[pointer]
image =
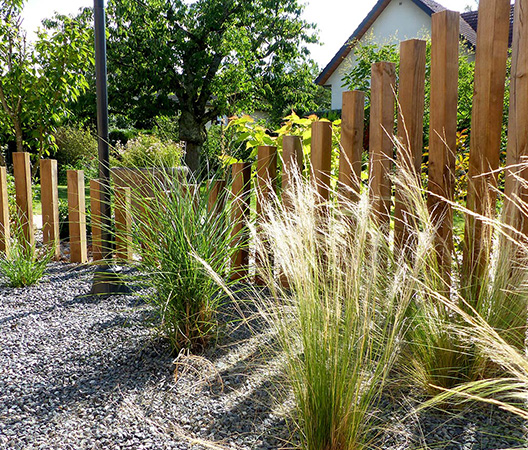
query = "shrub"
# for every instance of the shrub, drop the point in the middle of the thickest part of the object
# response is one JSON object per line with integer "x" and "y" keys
{"x": 118, "y": 136}
{"x": 77, "y": 150}
{"x": 148, "y": 151}
{"x": 174, "y": 233}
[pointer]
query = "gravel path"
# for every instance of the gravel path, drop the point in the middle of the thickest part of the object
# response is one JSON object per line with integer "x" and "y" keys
{"x": 78, "y": 372}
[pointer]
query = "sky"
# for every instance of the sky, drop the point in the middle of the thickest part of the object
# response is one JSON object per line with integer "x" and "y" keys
{"x": 336, "y": 20}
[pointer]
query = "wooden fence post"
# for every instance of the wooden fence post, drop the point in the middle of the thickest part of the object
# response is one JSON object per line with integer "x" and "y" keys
{"x": 216, "y": 198}
{"x": 123, "y": 223}
{"x": 292, "y": 161}
{"x": 381, "y": 144}
{"x": 241, "y": 190}
{"x": 49, "y": 197}
{"x": 5, "y": 235}
{"x": 265, "y": 186}
{"x": 411, "y": 99}
{"x": 486, "y": 125}
{"x": 321, "y": 157}
{"x": 24, "y": 199}
{"x": 77, "y": 216}
{"x": 515, "y": 194}
{"x": 95, "y": 209}
{"x": 352, "y": 129}
{"x": 442, "y": 132}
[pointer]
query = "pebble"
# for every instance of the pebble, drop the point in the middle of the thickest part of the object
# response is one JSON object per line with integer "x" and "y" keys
{"x": 79, "y": 372}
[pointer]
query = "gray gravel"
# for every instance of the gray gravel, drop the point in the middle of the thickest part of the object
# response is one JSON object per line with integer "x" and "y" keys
{"x": 78, "y": 372}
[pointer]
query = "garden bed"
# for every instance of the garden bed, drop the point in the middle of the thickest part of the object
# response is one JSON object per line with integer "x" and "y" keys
{"x": 84, "y": 372}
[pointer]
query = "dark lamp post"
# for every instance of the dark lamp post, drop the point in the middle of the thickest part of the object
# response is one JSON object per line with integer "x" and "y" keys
{"x": 106, "y": 277}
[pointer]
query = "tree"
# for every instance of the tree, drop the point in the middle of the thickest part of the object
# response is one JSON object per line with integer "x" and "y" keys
{"x": 37, "y": 80}
{"x": 206, "y": 58}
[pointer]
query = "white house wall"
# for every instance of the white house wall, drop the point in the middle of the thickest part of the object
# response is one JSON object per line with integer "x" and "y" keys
{"x": 401, "y": 20}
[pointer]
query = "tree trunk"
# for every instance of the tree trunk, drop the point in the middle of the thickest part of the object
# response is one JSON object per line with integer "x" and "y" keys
{"x": 192, "y": 131}
{"x": 18, "y": 133}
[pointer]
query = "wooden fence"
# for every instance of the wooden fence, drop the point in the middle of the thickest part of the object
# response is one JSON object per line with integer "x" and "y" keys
{"x": 406, "y": 102}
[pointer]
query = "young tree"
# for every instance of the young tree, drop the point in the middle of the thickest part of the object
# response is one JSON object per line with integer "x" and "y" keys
{"x": 37, "y": 80}
{"x": 208, "y": 57}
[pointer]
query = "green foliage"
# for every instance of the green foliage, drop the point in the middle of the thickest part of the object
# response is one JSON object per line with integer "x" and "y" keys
{"x": 23, "y": 266}
{"x": 148, "y": 151}
{"x": 246, "y": 134}
{"x": 166, "y": 128}
{"x": 121, "y": 136}
{"x": 175, "y": 238}
{"x": 207, "y": 58}
{"x": 37, "y": 80}
{"x": 76, "y": 150}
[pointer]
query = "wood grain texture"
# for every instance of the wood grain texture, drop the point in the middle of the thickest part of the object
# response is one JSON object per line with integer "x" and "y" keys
{"x": 321, "y": 157}
{"x": 486, "y": 125}
{"x": 292, "y": 162}
{"x": 123, "y": 223}
{"x": 241, "y": 191}
{"x": 24, "y": 198}
{"x": 216, "y": 198}
{"x": 352, "y": 131}
{"x": 5, "y": 233}
{"x": 49, "y": 197}
{"x": 516, "y": 195}
{"x": 77, "y": 217}
{"x": 265, "y": 188}
{"x": 95, "y": 209}
{"x": 409, "y": 153}
{"x": 381, "y": 144}
{"x": 442, "y": 132}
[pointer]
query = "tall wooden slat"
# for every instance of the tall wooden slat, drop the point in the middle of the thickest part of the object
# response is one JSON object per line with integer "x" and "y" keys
{"x": 411, "y": 99}
{"x": 442, "y": 132}
{"x": 123, "y": 223}
{"x": 95, "y": 209}
{"x": 486, "y": 124}
{"x": 77, "y": 216}
{"x": 216, "y": 198}
{"x": 381, "y": 144}
{"x": 352, "y": 130}
{"x": 49, "y": 196}
{"x": 516, "y": 195}
{"x": 321, "y": 157}
{"x": 292, "y": 160}
{"x": 24, "y": 199}
{"x": 265, "y": 187}
{"x": 5, "y": 234}
{"x": 241, "y": 190}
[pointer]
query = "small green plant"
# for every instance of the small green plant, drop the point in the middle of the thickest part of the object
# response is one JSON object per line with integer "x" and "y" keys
{"x": 175, "y": 231}
{"x": 24, "y": 266}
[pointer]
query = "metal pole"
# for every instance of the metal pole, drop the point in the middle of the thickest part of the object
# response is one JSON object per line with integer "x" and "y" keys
{"x": 106, "y": 277}
{"x": 102, "y": 124}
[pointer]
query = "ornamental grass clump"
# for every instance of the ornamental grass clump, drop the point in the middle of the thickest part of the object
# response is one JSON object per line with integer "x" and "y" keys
{"x": 435, "y": 355}
{"x": 342, "y": 318}
{"x": 174, "y": 231}
{"x": 24, "y": 265}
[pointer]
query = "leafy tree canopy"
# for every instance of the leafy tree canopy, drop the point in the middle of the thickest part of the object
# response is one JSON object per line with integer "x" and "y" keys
{"x": 207, "y": 58}
{"x": 38, "y": 79}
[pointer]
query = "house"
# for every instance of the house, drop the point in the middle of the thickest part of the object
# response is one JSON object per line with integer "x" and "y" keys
{"x": 391, "y": 21}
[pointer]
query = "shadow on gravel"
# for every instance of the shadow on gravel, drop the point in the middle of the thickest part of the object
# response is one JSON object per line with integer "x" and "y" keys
{"x": 91, "y": 376}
